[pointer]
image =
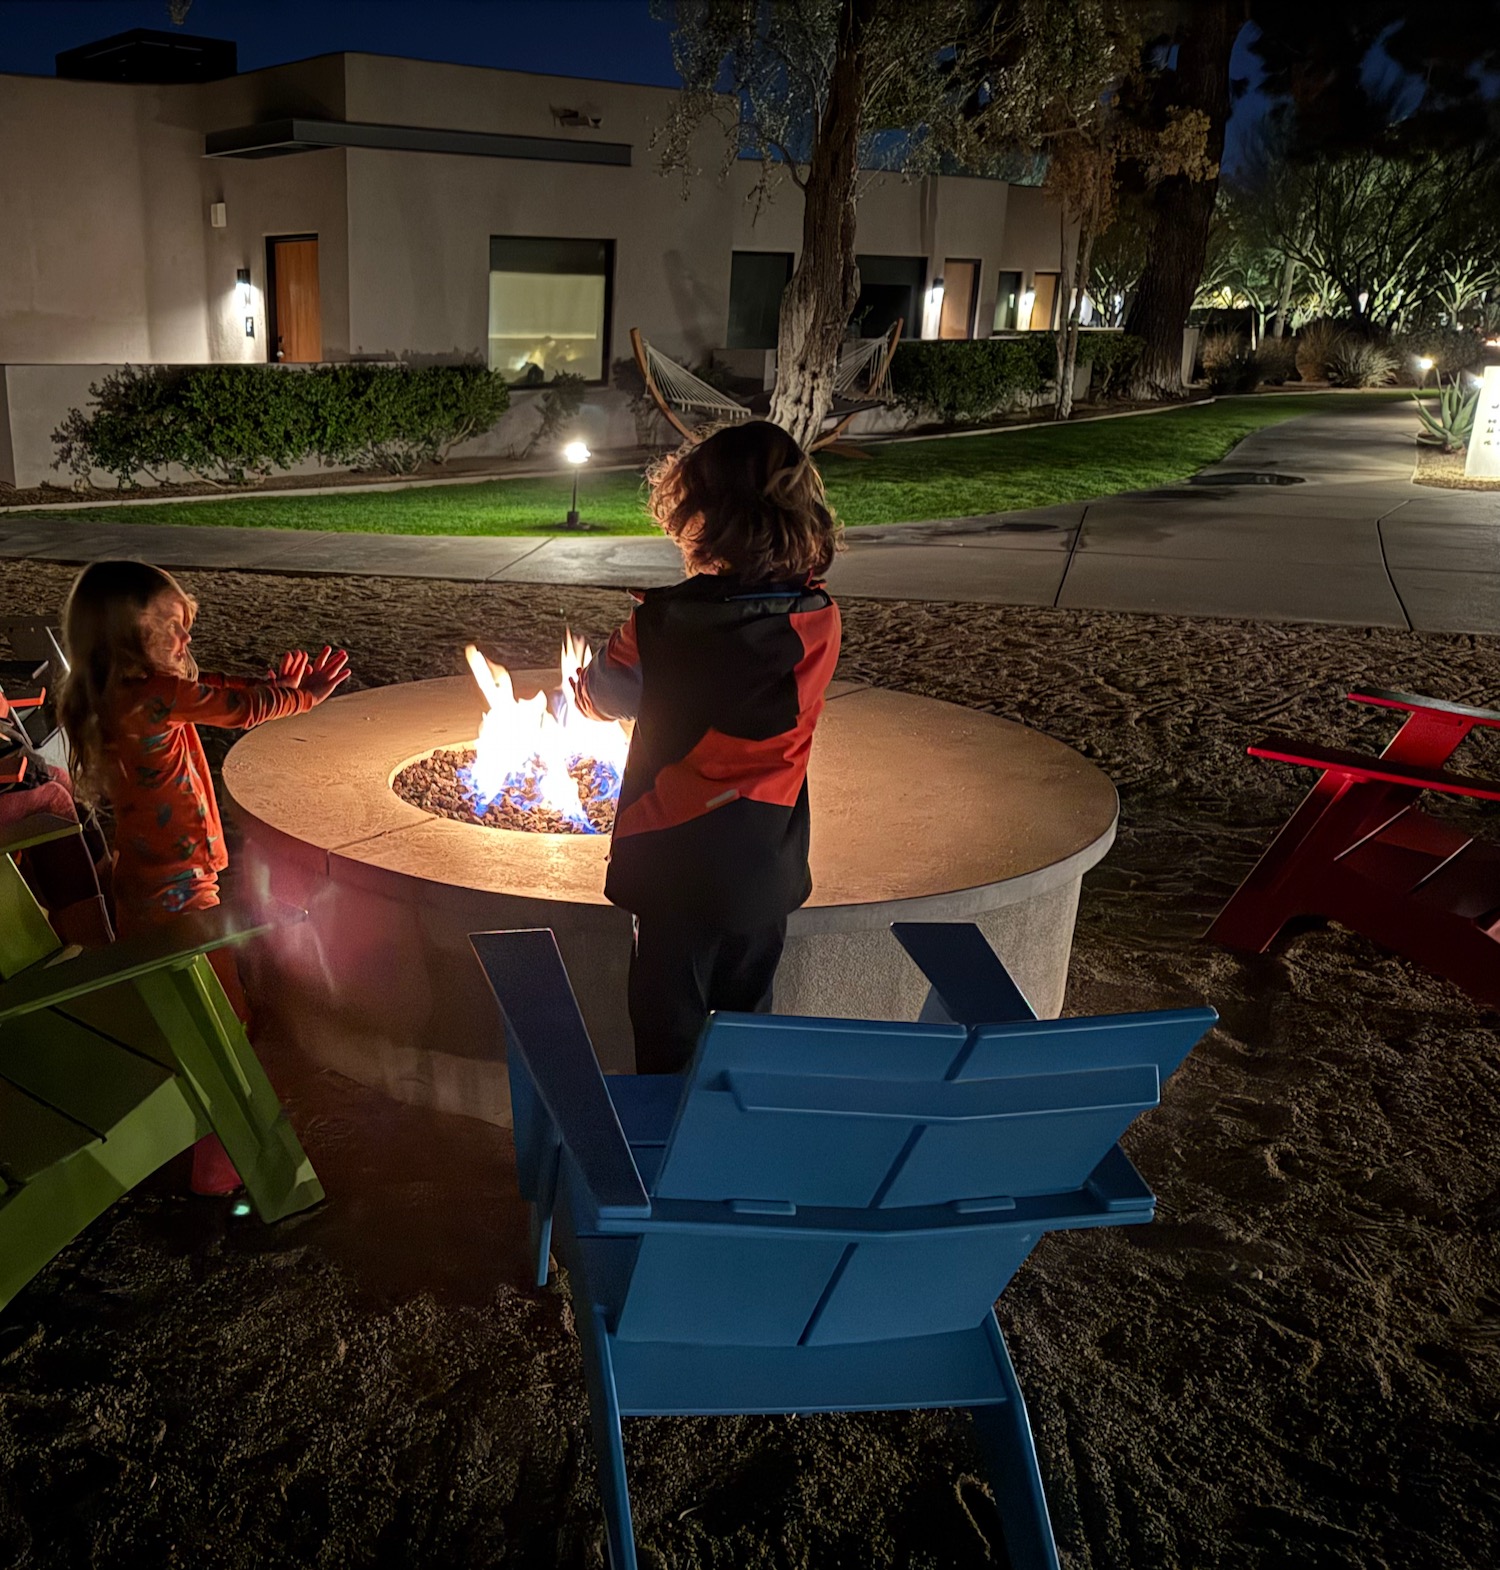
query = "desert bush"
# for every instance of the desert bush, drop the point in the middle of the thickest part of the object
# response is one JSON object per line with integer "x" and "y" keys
{"x": 1451, "y": 350}
{"x": 960, "y": 382}
{"x": 396, "y": 419}
{"x": 559, "y": 404}
{"x": 1276, "y": 360}
{"x": 1229, "y": 363}
{"x": 226, "y": 423}
{"x": 625, "y": 375}
{"x": 1112, "y": 356}
{"x": 1316, "y": 343}
{"x": 1361, "y": 362}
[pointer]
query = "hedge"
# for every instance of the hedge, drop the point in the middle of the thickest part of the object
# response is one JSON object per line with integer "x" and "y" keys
{"x": 961, "y": 381}
{"x": 226, "y": 422}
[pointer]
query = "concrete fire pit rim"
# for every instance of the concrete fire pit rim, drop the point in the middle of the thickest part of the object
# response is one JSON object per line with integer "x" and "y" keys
{"x": 411, "y": 855}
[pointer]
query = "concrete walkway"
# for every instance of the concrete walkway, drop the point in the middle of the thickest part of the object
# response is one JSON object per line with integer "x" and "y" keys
{"x": 1354, "y": 541}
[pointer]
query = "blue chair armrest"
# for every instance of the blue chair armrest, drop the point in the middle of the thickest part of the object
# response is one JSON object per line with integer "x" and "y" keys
{"x": 970, "y": 984}
{"x": 545, "y": 1032}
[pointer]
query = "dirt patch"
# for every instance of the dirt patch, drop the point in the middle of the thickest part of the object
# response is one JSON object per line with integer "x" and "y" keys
{"x": 1297, "y": 1365}
{"x": 1446, "y": 471}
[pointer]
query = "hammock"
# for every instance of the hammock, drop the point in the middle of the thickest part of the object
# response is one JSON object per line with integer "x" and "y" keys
{"x": 673, "y": 387}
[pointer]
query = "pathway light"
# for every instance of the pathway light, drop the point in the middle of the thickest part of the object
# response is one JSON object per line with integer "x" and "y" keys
{"x": 578, "y": 454}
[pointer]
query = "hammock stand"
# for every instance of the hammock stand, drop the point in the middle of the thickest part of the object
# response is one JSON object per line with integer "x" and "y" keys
{"x": 673, "y": 387}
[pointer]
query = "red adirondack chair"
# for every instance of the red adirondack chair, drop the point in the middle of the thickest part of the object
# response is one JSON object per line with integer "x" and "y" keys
{"x": 1360, "y": 851}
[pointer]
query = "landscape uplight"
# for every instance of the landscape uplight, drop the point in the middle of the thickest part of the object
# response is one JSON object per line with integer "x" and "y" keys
{"x": 578, "y": 454}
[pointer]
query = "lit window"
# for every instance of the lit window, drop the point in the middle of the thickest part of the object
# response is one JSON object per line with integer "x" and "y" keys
{"x": 548, "y": 307}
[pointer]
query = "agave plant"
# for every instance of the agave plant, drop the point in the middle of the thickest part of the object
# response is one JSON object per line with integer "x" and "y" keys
{"x": 1450, "y": 425}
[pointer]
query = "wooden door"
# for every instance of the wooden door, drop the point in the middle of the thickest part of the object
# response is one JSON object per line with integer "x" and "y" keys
{"x": 1044, "y": 302}
{"x": 298, "y": 325}
{"x": 960, "y": 287}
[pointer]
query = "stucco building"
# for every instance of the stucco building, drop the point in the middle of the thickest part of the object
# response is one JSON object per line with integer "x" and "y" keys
{"x": 359, "y": 206}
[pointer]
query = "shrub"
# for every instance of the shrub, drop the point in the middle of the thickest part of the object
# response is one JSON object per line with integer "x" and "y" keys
{"x": 1450, "y": 424}
{"x": 133, "y": 427}
{"x": 960, "y": 382}
{"x": 396, "y": 419}
{"x": 1276, "y": 360}
{"x": 226, "y": 422}
{"x": 1229, "y": 363}
{"x": 1315, "y": 346}
{"x": 1358, "y": 362}
{"x": 1451, "y": 350}
{"x": 561, "y": 401}
{"x": 1113, "y": 356}
{"x": 241, "y": 420}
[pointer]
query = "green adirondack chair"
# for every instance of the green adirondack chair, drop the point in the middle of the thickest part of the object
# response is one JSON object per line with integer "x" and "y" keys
{"x": 112, "y": 1061}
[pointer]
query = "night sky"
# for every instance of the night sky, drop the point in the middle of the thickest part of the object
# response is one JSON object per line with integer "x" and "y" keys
{"x": 612, "y": 39}
{"x": 616, "y": 40}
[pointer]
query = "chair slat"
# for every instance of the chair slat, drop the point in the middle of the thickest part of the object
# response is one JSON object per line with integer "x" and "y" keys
{"x": 34, "y": 1137}
{"x": 61, "y": 1062}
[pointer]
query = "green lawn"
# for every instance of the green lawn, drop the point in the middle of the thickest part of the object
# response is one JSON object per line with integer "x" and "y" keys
{"x": 897, "y": 483}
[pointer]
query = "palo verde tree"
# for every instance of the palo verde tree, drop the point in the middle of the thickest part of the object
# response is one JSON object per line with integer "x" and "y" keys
{"x": 825, "y": 92}
{"x": 1087, "y": 155}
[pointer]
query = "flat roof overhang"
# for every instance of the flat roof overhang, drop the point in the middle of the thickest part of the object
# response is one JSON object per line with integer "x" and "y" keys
{"x": 281, "y": 138}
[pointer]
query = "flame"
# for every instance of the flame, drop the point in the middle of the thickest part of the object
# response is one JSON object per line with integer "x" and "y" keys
{"x": 526, "y": 746}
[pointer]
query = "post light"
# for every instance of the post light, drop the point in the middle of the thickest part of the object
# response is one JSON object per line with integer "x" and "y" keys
{"x": 578, "y": 454}
{"x": 1424, "y": 364}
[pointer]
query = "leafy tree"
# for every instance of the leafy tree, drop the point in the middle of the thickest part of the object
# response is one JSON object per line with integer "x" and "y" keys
{"x": 1087, "y": 156}
{"x": 823, "y": 91}
{"x": 1316, "y": 59}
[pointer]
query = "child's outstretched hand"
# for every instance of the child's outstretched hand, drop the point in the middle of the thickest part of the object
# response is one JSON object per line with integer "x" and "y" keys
{"x": 289, "y": 670}
{"x": 324, "y": 674}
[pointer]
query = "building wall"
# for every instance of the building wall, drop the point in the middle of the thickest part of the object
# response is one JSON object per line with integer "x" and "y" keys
{"x": 107, "y": 254}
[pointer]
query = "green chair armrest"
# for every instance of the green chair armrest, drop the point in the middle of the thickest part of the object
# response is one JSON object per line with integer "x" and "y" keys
{"x": 73, "y": 972}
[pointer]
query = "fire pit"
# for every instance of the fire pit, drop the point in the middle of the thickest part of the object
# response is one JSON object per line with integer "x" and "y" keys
{"x": 356, "y": 812}
{"x": 537, "y": 767}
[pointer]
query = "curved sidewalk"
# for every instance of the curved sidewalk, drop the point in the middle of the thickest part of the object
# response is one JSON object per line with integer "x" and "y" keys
{"x": 1354, "y": 542}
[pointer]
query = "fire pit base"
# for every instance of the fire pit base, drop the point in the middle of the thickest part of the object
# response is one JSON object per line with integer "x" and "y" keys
{"x": 380, "y": 983}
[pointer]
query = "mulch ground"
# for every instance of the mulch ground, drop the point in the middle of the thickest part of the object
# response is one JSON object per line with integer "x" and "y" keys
{"x": 1297, "y": 1364}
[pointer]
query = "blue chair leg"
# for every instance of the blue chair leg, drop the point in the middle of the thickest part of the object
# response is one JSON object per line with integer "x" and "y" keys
{"x": 609, "y": 1445}
{"x": 1004, "y": 1434}
{"x": 541, "y": 1241}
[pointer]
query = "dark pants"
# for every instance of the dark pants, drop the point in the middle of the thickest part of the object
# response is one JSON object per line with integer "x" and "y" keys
{"x": 681, "y": 971}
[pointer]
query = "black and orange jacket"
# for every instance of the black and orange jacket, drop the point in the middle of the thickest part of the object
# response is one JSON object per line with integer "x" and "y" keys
{"x": 726, "y": 681}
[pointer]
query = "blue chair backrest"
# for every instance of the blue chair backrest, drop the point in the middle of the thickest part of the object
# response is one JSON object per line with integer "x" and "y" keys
{"x": 855, "y": 1114}
{"x": 984, "y": 1137}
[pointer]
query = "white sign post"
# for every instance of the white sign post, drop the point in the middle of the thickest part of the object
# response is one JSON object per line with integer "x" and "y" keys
{"x": 1483, "y": 461}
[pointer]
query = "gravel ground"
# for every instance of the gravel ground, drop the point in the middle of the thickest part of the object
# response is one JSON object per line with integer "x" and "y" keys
{"x": 1297, "y": 1365}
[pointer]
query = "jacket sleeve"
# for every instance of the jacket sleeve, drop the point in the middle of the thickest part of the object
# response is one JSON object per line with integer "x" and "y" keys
{"x": 173, "y": 701}
{"x": 609, "y": 688}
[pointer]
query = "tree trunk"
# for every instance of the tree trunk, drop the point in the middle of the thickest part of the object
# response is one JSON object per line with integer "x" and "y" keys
{"x": 824, "y": 289}
{"x": 1068, "y": 371}
{"x": 1180, "y": 208}
{"x": 1284, "y": 298}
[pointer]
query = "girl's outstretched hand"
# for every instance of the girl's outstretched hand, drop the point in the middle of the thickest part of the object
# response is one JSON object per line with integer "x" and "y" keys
{"x": 325, "y": 673}
{"x": 289, "y": 670}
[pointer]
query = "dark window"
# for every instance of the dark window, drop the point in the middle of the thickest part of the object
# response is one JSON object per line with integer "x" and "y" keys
{"x": 1007, "y": 302}
{"x": 757, "y": 280}
{"x": 549, "y": 307}
{"x": 889, "y": 286}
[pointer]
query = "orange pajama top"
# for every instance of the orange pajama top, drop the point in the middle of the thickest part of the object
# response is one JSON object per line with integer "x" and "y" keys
{"x": 169, "y": 840}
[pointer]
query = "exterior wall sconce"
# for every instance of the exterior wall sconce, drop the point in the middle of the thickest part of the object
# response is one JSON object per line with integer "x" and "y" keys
{"x": 247, "y": 299}
{"x": 1023, "y": 314}
{"x": 218, "y": 215}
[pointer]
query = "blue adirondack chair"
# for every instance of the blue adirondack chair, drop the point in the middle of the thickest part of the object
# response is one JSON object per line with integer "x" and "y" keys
{"x": 819, "y": 1215}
